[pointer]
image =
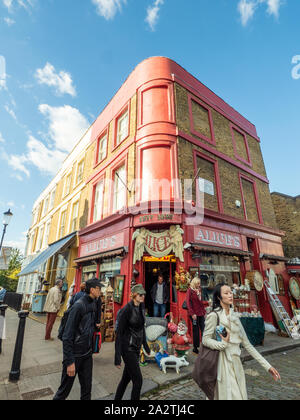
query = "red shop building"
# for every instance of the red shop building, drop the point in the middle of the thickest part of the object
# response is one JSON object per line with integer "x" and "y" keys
{"x": 162, "y": 128}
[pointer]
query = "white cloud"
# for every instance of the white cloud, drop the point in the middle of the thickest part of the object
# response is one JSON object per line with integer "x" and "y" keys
{"x": 1, "y": 138}
{"x": 108, "y": 8}
{"x": 11, "y": 4}
{"x": 66, "y": 125}
{"x": 247, "y": 8}
{"x": 3, "y": 75}
{"x": 9, "y": 21}
{"x": 11, "y": 112}
{"x": 153, "y": 13}
{"x": 61, "y": 81}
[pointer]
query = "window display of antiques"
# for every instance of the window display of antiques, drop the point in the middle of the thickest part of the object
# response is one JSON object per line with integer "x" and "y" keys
{"x": 107, "y": 319}
{"x": 241, "y": 297}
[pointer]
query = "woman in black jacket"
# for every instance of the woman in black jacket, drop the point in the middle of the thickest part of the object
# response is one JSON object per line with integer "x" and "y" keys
{"x": 130, "y": 337}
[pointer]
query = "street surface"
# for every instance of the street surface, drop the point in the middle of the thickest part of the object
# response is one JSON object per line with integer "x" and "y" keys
{"x": 260, "y": 384}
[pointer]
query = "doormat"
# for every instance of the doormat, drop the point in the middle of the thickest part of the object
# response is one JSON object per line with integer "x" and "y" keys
{"x": 35, "y": 395}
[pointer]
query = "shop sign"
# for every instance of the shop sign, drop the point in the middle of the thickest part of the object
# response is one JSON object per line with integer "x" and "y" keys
{"x": 206, "y": 186}
{"x": 114, "y": 265}
{"x": 162, "y": 218}
{"x": 103, "y": 245}
{"x": 89, "y": 269}
{"x": 217, "y": 238}
{"x": 220, "y": 268}
{"x": 168, "y": 258}
{"x": 158, "y": 244}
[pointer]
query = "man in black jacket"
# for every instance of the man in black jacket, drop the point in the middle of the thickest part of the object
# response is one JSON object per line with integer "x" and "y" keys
{"x": 77, "y": 340}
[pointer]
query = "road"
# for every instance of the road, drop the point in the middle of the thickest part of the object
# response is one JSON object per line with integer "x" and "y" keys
{"x": 260, "y": 385}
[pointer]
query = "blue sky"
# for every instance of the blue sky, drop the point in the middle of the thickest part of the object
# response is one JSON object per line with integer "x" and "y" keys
{"x": 61, "y": 61}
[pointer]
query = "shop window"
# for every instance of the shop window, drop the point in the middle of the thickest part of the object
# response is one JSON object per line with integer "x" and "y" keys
{"x": 62, "y": 265}
{"x": 122, "y": 128}
{"x": 119, "y": 200}
{"x": 88, "y": 272}
{"x": 102, "y": 148}
{"x": 98, "y": 201}
{"x": 75, "y": 212}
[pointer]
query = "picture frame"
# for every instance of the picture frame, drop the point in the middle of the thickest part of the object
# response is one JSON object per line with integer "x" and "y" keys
{"x": 119, "y": 282}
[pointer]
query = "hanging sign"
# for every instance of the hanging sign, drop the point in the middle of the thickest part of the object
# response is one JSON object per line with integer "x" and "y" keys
{"x": 158, "y": 244}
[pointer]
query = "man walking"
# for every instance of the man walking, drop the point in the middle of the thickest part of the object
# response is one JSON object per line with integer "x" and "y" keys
{"x": 77, "y": 340}
{"x": 52, "y": 306}
{"x": 160, "y": 295}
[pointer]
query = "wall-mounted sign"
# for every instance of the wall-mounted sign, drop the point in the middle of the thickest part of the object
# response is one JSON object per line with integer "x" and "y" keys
{"x": 158, "y": 244}
{"x": 219, "y": 238}
{"x": 105, "y": 244}
{"x": 206, "y": 186}
{"x": 157, "y": 218}
{"x": 168, "y": 258}
{"x": 295, "y": 288}
{"x": 222, "y": 268}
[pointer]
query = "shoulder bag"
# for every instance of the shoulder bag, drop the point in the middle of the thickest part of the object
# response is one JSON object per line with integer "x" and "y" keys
{"x": 206, "y": 369}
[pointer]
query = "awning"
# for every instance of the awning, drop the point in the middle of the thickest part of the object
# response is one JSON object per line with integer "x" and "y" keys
{"x": 109, "y": 254}
{"x": 219, "y": 250}
{"x": 273, "y": 257}
{"x": 45, "y": 255}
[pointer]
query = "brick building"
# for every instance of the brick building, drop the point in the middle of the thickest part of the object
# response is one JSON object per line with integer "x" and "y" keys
{"x": 165, "y": 126}
{"x": 172, "y": 180}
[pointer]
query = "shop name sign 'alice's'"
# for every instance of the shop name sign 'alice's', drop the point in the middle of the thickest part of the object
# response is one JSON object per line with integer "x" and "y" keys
{"x": 217, "y": 238}
{"x": 102, "y": 245}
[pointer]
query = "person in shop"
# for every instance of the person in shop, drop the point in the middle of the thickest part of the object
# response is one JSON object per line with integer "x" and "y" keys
{"x": 196, "y": 311}
{"x": 130, "y": 336}
{"x": 231, "y": 383}
{"x": 160, "y": 295}
{"x": 52, "y": 307}
{"x": 77, "y": 343}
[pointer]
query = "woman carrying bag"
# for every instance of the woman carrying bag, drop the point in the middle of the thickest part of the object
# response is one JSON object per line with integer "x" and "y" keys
{"x": 196, "y": 311}
{"x": 230, "y": 377}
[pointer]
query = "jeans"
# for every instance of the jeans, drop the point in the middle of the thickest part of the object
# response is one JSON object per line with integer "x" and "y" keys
{"x": 84, "y": 369}
{"x": 132, "y": 372}
{"x": 200, "y": 325}
{"x": 159, "y": 310}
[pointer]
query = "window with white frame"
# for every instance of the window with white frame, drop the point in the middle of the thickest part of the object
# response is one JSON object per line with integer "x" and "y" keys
{"x": 98, "y": 201}
{"x": 75, "y": 212}
{"x": 102, "y": 147}
{"x": 52, "y": 197}
{"x": 80, "y": 169}
{"x": 46, "y": 235}
{"x": 67, "y": 187}
{"x": 45, "y": 206}
{"x": 62, "y": 226}
{"x": 122, "y": 127}
{"x": 119, "y": 188}
{"x": 40, "y": 238}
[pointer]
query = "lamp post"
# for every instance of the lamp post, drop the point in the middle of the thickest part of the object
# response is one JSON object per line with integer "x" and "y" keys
{"x": 6, "y": 219}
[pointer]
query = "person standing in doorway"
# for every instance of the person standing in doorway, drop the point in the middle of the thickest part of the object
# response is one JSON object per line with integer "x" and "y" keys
{"x": 160, "y": 295}
{"x": 196, "y": 311}
{"x": 52, "y": 306}
{"x": 77, "y": 341}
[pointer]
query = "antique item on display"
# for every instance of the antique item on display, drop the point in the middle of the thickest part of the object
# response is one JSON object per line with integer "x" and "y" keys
{"x": 241, "y": 298}
{"x": 295, "y": 288}
{"x": 173, "y": 362}
{"x": 181, "y": 340}
{"x": 182, "y": 279}
{"x": 256, "y": 280}
{"x": 194, "y": 272}
{"x": 119, "y": 287}
{"x": 107, "y": 324}
{"x": 158, "y": 244}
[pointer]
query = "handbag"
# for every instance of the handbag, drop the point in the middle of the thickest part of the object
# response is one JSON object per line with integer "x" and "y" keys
{"x": 184, "y": 305}
{"x": 97, "y": 341}
{"x": 206, "y": 369}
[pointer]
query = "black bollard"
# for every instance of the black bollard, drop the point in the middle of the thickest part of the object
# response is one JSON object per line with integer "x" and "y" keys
{"x": 14, "y": 374}
{"x": 2, "y": 313}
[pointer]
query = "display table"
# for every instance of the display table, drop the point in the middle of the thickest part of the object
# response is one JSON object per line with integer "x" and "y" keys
{"x": 255, "y": 330}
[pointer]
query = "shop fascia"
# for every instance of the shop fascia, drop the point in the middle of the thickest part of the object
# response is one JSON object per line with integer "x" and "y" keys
{"x": 213, "y": 237}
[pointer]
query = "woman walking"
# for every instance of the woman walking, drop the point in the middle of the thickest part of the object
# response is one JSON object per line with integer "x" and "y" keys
{"x": 196, "y": 311}
{"x": 129, "y": 339}
{"x": 231, "y": 382}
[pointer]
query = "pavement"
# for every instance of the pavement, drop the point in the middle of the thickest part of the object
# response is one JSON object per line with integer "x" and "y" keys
{"x": 41, "y": 364}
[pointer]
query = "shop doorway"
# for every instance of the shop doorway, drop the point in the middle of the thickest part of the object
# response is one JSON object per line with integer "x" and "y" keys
{"x": 152, "y": 269}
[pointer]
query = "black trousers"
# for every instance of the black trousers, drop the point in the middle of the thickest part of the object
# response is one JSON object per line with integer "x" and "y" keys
{"x": 132, "y": 372}
{"x": 84, "y": 370}
{"x": 200, "y": 325}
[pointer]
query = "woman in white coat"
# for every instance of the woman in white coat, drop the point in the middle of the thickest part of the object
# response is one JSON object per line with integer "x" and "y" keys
{"x": 231, "y": 382}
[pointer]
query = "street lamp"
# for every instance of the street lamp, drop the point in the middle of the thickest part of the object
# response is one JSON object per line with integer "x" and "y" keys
{"x": 6, "y": 219}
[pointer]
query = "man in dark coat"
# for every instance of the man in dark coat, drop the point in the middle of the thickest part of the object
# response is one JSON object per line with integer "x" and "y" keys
{"x": 160, "y": 294}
